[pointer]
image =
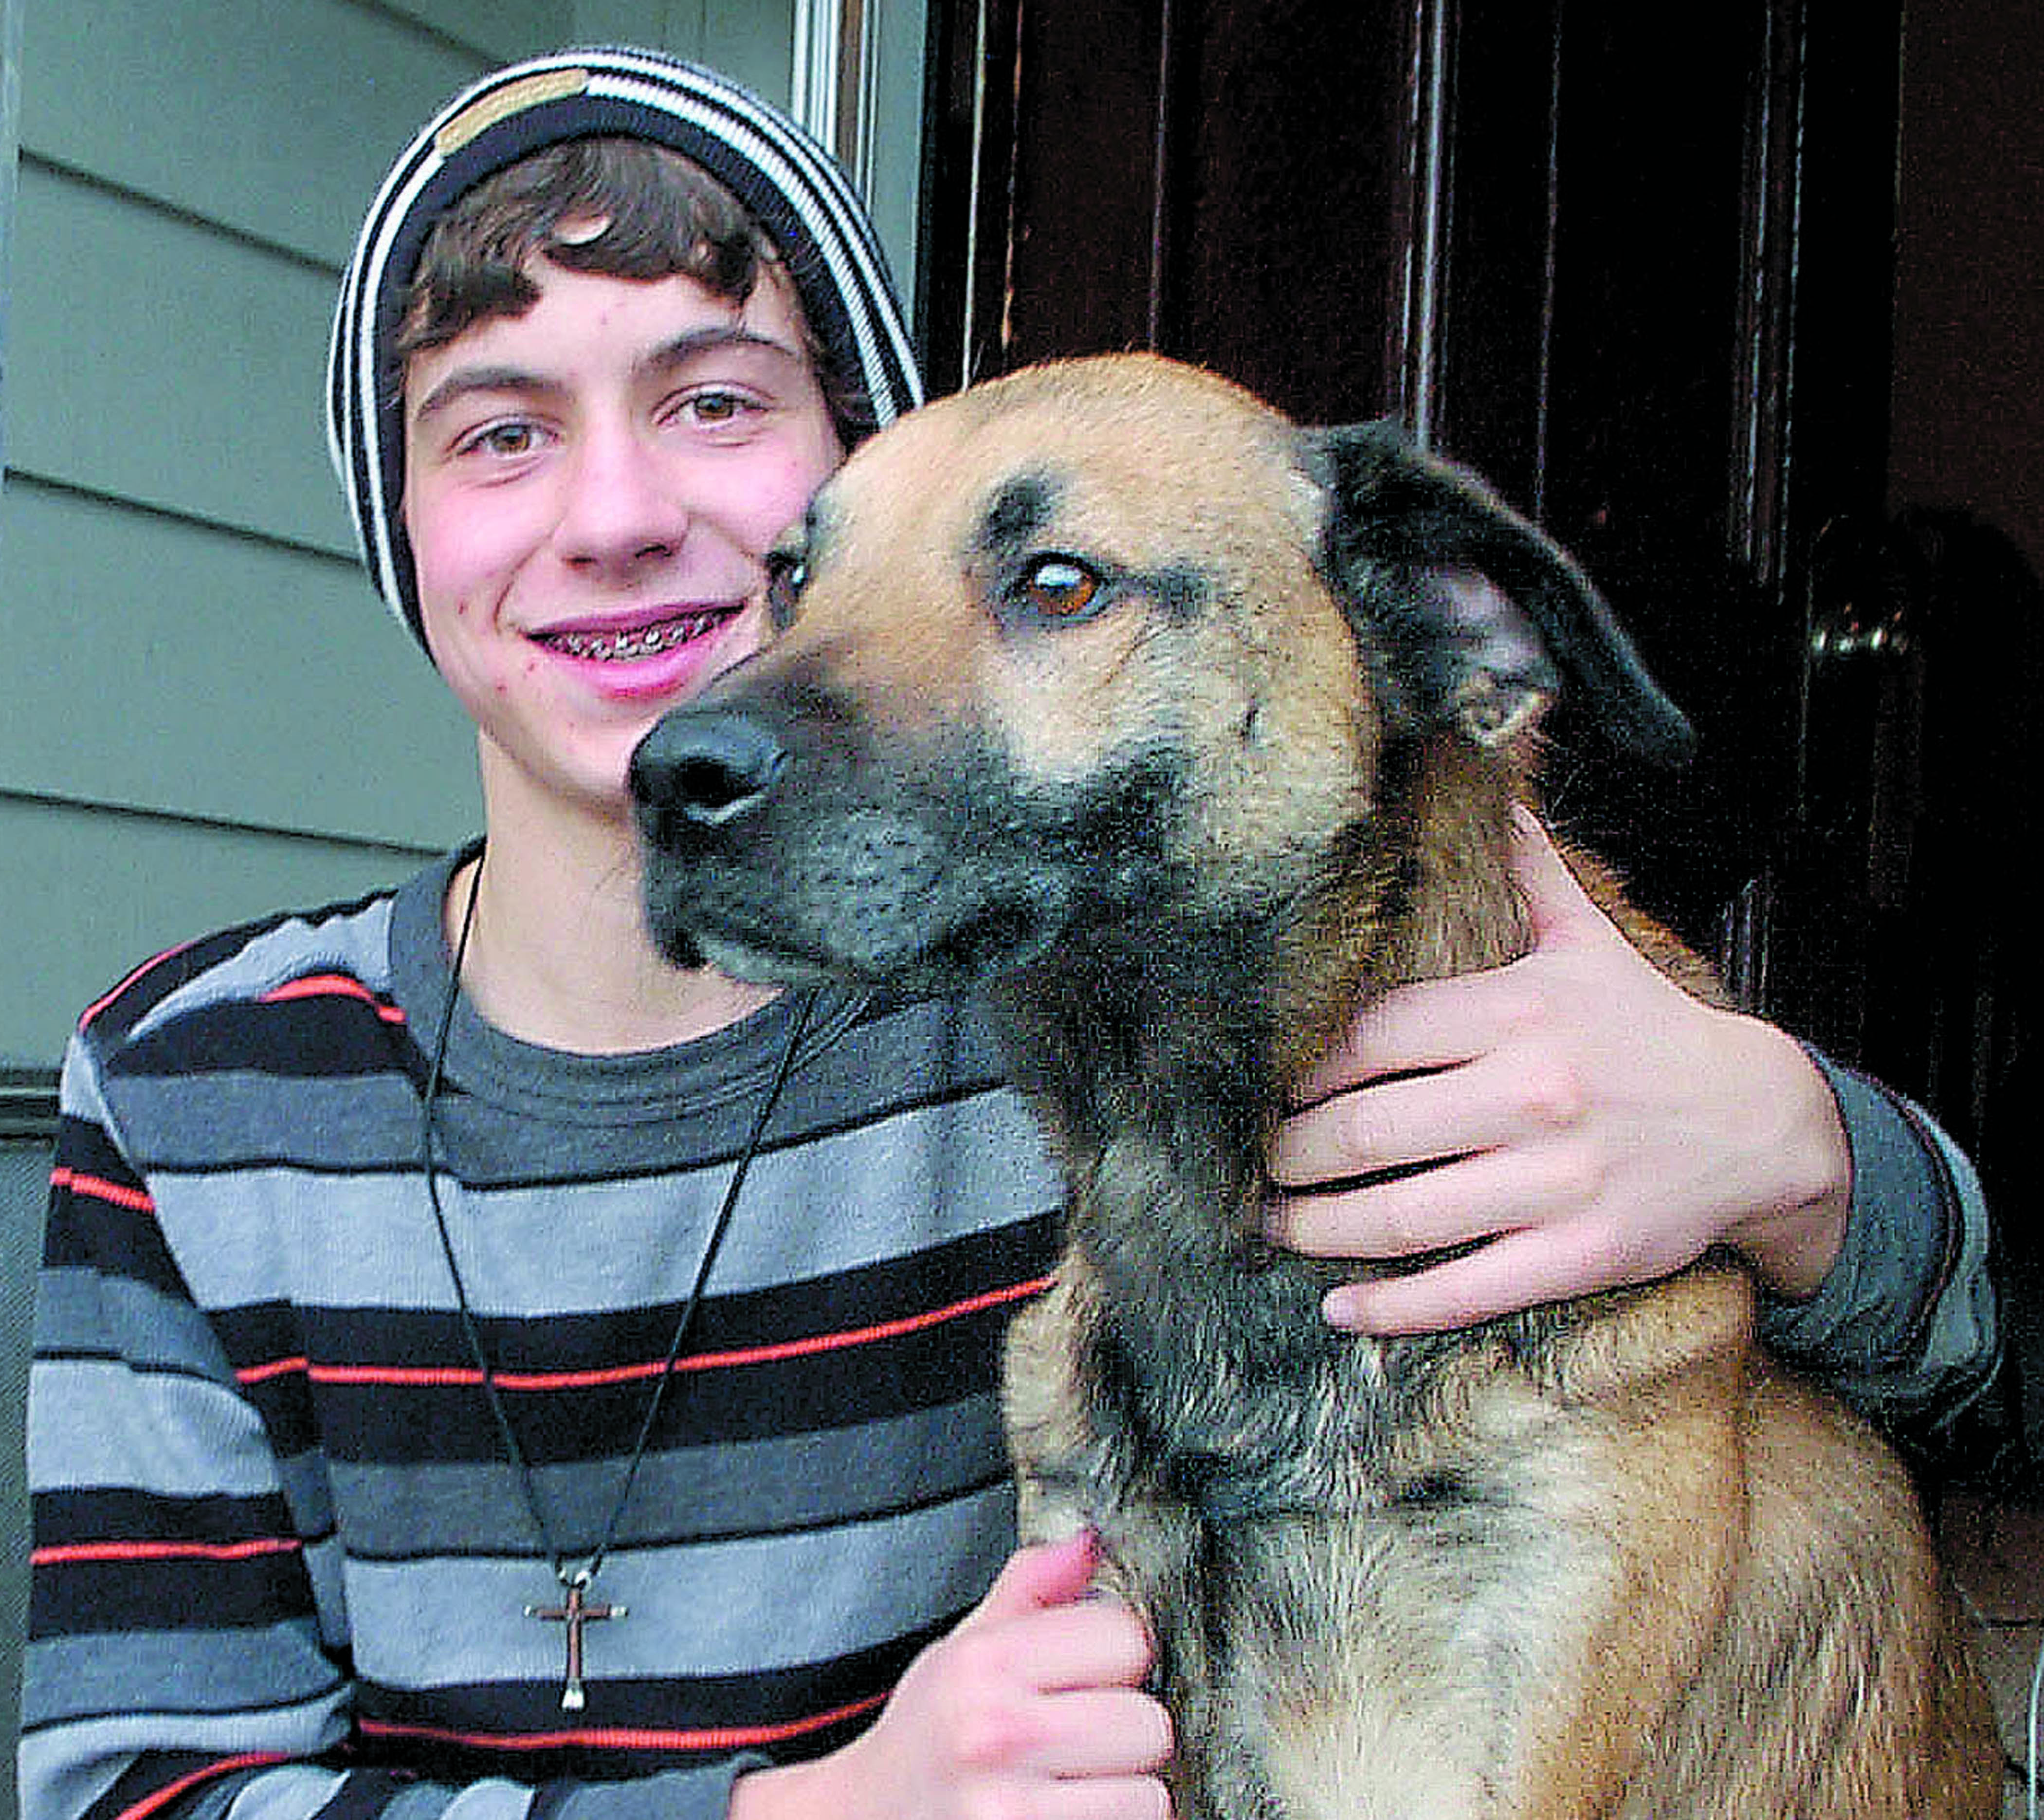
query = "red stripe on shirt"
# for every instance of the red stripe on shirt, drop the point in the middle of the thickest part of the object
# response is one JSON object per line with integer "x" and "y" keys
{"x": 332, "y": 986}
{"x": 170, "y": 1792}
{"x": 428, "y": 1377}
{"x": 98, "y": 1188}
{"x": 443, "y": 1376}
{"x": 708, "y": 1739}
{"x": 64, "y": 1553}
{"x": 99, "y": 1005}
{"x": 861, "y": 1336}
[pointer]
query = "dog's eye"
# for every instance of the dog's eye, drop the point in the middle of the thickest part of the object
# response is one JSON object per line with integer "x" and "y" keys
{"x": 787, "y": 574}
{"x": 1060, "y": 588}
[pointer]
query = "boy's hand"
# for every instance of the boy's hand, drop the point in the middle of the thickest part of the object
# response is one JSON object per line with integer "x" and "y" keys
{"x": 1032, "y": 1706}
{"x": 1582, "y": 1123}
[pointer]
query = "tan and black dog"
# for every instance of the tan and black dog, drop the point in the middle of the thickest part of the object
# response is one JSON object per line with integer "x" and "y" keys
{"x": 1176, "y": 728}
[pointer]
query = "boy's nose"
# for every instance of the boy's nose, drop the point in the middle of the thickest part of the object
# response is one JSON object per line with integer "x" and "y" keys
{"x": 621, "y": 506}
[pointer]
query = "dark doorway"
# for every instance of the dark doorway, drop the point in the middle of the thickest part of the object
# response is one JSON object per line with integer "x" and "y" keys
{"x": 1641, "y": 271}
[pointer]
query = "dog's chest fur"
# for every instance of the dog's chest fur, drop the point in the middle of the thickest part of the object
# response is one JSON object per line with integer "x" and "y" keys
{"x": 1354, "y": 1552}
{"x": 1253, "y": 1473}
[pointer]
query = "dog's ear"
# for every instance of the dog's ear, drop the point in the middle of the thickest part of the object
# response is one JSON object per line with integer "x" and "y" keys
{"x": 1476, "y": 617}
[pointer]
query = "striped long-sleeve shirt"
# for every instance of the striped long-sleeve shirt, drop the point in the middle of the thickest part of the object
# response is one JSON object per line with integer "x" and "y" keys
{"x": 281, "y": 1558}
{"x": 280, "y": 1555}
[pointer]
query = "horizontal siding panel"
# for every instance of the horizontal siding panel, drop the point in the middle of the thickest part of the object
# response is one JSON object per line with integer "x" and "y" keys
{"x": 193, "y": 382}
{"x": 174, "y": 669}
{"x": 85, "y": 896}
{"x": 278, "y": 120}
{"x": 753, "y": 42}
{"x": 275, "y": 120}
{"x": 502, "y": 30}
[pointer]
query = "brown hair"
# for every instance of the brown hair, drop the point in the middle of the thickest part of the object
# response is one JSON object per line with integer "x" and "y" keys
{"x": 655, "y": 214}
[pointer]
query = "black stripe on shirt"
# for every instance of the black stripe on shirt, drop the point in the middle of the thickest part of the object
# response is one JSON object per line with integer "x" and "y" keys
{"x": 330, "y": 1033}
{"x": 103, "y": 1218}
{"x": 914, "y": 1333}
{"x": 111, "y": 1591}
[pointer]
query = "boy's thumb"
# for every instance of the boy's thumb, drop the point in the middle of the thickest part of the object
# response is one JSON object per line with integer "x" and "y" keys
{"x": 1043, "y": 1576}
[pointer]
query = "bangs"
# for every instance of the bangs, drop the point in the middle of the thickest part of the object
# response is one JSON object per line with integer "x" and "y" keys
{"x": 618, "y": 208}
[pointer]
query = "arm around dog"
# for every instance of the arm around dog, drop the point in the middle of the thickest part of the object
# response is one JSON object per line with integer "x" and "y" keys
{"x": 1590, "y": 1126}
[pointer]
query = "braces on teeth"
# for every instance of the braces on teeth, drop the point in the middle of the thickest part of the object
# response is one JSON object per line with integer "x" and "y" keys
{"x": 608, "y": 646}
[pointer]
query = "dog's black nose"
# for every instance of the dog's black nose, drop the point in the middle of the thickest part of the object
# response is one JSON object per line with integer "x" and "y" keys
{"x": 708, "y": 766}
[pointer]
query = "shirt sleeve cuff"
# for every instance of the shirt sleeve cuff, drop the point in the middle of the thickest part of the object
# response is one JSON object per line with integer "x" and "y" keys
{"x": 1873, "y": 1314}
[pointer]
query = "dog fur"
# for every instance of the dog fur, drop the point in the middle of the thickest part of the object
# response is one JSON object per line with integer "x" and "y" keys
{"x": 1177, "y": 730}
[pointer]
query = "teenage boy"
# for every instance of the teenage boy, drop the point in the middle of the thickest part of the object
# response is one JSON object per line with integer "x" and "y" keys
{"x": 481, "y": 1369}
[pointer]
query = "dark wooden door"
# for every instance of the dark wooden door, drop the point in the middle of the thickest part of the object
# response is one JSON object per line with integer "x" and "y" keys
{"x": 1638, "y": 268}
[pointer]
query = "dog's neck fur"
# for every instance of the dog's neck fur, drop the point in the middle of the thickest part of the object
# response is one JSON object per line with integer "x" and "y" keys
{"x": 1163, "y": 1076}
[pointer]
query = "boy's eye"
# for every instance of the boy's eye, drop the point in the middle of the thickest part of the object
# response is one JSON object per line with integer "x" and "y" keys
{"x": 787, "y": 574}
{"x": 714, "y": 409}
{"x": 503, "y": 439}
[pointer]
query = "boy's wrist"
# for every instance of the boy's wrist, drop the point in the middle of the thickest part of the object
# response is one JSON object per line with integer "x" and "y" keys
{"x": 1795, "y": 1236}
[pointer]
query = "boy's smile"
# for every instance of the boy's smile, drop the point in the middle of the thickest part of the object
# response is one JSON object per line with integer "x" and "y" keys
{"x": 590, "y": 489}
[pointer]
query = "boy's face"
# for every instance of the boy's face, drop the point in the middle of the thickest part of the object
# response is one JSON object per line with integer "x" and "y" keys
{"x": 589, "y": 490}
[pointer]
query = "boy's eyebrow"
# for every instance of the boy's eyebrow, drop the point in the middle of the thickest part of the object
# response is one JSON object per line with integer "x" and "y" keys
{"x": 465, "y": 380}
{"x": 683, "y": 348}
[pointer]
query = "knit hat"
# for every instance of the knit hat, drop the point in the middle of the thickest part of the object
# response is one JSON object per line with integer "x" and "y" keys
{"x": 794, "y": 191}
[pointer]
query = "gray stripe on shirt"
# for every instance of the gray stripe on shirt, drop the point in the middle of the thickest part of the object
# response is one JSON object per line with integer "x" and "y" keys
{"x": 361, "y": 1241}
{"x": 723, "y": 1608}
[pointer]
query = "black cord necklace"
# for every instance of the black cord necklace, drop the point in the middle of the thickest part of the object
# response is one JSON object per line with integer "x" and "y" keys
{"x": 577, "y": 1577}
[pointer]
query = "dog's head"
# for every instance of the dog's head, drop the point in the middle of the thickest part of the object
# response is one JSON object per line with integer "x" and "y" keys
{"x": 1103, "y": 649}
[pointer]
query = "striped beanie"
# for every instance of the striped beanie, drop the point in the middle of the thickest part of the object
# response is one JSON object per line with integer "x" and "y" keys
{"x": 790, "y": 185}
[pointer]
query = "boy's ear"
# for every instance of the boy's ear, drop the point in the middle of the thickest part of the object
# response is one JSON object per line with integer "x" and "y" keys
{"x": 1475, "y": 618}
